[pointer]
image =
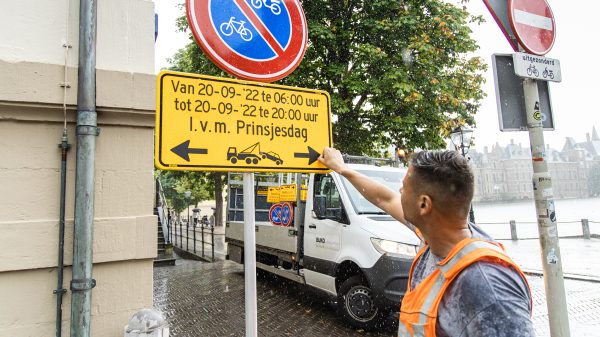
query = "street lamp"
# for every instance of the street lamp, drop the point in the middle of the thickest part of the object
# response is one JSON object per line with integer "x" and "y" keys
{"x": 196, "y": 216}
{"x": 461, "y": 139}
{"x": 187, "y": 195}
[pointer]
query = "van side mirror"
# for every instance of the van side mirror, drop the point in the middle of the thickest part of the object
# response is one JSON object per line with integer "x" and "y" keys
{"x": 320, "y": 209}
{"x": 319, "y": 206}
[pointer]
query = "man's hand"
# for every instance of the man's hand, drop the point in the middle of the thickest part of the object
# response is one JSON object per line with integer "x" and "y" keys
{"x": 333, "y": 159}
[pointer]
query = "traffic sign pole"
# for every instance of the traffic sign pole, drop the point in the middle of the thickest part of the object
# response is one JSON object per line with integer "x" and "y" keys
{"x": 532, "y": 24}
{"x": 250, "y": 257}
{"x": 544, "y": 205}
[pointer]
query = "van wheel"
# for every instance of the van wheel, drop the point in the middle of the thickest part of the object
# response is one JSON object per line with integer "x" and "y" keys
{"x": 356, "y": 304}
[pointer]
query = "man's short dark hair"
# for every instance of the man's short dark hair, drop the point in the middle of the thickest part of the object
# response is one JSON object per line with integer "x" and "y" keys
{"x": 446, "y": 177}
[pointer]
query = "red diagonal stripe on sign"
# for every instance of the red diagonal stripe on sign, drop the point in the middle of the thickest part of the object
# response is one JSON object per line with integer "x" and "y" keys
{"x": 260, "y": 27}
{"x": 277, "y": 211}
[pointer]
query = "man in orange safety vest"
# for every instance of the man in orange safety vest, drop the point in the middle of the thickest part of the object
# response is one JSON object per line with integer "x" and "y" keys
{"x": 461, "y": 282}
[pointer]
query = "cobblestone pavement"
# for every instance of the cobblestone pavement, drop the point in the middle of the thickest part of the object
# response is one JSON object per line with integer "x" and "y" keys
{"x": 204, "y": 299}
{"x": 207, "y": 299}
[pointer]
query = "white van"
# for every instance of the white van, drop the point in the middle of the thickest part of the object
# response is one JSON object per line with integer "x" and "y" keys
{"x": 340, "y": 244}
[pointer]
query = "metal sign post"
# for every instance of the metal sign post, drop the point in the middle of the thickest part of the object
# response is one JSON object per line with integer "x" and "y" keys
{"x": 250, "y": 257}
{"x": 216, "y": 124}
{"x": 531, "y": 24}
{"x": 544, "y": 205}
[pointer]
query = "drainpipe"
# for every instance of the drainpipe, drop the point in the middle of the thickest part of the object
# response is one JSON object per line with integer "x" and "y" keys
{"x": 87, "y": 131}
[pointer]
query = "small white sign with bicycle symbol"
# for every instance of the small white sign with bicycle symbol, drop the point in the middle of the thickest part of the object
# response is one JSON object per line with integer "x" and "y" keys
{"x": 537, "y": 67}
{"x": 239, "y": 26}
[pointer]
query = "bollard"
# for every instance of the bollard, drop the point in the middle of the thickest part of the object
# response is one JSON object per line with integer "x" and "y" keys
{"x": 585, "y": 225}
{"x": 147, "y": 323}
{"x": 513, "y": 230}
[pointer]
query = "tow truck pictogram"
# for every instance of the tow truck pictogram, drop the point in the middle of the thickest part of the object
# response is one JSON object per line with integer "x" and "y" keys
{"x": 252, "y": 155}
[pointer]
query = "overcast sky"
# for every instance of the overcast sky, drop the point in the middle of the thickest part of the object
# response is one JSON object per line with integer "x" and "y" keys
{"x": 576, "y": 47}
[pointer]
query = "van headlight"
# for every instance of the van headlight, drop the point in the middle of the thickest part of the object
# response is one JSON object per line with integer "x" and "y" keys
{"x": 393, "y": 247}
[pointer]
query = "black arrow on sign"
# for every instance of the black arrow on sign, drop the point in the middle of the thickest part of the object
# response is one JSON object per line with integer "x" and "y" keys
{"x": 312, "y": 155}
{"x": 183, "y": 150}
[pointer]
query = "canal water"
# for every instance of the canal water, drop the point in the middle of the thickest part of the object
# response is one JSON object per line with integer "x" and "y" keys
{"x": 495, "y": 217}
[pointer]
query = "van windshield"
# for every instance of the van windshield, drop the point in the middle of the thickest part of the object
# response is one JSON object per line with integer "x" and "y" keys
{"x": 391, "y": 179}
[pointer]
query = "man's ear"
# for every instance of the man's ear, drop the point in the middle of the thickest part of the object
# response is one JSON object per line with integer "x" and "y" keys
{"x": 425, "y": 204}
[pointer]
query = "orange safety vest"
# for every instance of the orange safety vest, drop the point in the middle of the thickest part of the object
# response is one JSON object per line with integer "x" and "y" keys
{"x": 419, "y": 310}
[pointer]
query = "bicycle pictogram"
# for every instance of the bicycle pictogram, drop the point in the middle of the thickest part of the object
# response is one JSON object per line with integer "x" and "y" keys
{"x": 548, "y": 73}
{"x": 533, "y": 71}
{"x": 227, "y": 28}
{"x": 274, "y": 6}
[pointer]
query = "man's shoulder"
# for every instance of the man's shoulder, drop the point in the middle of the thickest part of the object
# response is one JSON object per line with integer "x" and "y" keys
{"x": 484, "y": 294}
{"x": 491, "y": 279}
{"x": 486, "y": 284}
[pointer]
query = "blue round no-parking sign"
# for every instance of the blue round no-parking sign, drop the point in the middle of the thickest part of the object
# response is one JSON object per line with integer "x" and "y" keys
{"x": 261, "y": 40}
{"x": 287, "y": 214}
{"x": 275, "y": 214}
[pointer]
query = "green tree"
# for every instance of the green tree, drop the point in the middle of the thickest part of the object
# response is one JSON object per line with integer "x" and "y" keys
{"x": 397, "y": 71}
{"x": 201, "y": 185}
{"x": 169, "y": 181}
{"x": 594, "y": 179}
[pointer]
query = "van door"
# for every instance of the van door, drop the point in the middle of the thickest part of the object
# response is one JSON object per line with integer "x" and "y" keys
{"x": 322, "y": 237}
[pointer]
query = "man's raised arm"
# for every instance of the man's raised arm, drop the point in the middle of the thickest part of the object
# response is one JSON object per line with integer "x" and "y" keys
{"x": 376, "y": 193}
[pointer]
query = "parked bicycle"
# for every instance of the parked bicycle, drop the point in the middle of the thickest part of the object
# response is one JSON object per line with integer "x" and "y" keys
{"x": 227, "y": 28}
{"x": 274, "y": 6}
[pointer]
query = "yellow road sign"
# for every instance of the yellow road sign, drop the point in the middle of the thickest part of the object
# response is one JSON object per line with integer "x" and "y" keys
{"x": 288, "y": 193}
{"x": 206, "y": 123}
{"x": 273, "y": 194}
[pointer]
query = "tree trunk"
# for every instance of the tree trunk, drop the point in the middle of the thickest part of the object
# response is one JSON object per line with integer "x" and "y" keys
{"x": 217, "y": 176}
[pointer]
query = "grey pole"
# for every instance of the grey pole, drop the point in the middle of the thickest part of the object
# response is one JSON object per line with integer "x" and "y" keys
{"x": 60, "y": 291}
{"x": 513, "y": 230}
{"x": 544, "y": 205}
{"x": 585, "y": 226}
{"x": 250, "y": 256}
{"x": 87, "y": 131}
{"x": 299, "y": 216}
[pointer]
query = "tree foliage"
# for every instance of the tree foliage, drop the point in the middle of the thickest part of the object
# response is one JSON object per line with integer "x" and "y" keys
{"x": 398, "y": 72}
{"x": 176, "y": 183}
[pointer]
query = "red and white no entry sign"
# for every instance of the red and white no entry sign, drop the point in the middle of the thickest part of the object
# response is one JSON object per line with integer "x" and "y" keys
{"x": 533, "y": 24}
